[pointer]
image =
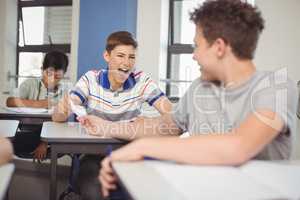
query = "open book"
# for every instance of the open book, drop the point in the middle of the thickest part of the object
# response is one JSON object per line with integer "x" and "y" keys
{"x": 253, "y": 180}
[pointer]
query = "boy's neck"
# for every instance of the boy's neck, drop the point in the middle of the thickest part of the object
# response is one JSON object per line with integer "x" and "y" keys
{"x": 114, "y": 86}
{"x": 238, "y": 72}
{"x": 47, "y": 86}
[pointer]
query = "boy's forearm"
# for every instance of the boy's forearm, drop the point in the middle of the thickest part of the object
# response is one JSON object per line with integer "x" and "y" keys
{"x": 158, "y": 126}
{"x": 18, "y": 102}
{"x": 61, "y": 111}
{"x": 196, "y": 150}
{"x": 59, "y": 116}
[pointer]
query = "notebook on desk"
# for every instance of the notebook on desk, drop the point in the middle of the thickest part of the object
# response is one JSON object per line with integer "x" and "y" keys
{"x": 253, "y": 180}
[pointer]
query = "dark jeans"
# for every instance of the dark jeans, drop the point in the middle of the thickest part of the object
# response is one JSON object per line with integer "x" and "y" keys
{"x": 27, "y": 139}
{"x": 88, "y": 183}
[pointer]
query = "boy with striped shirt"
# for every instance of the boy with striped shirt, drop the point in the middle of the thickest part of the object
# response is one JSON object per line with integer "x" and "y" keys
{"x": 115, "y": 94}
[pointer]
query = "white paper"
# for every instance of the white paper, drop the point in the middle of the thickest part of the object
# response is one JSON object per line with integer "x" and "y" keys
{"x": 28, "y": 110}
{"x": 78, "y": 109}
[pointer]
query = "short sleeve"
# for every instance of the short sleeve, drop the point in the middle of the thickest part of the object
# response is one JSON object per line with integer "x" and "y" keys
{"x": 24, "y": 90}
{"x": 180, "y": 112}
{"x": 151, "y": 92}
{"x": 279, "y": 95}
{"x": 82, "y": 87}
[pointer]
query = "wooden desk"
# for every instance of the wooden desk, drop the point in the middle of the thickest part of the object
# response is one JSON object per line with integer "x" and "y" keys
{"x": 6, "y": 172}
{"x": 8, "y": 128}
{"x": 146, "y": 180}
{"x": 25, "y": 118}
{"x": 70, "y": 137}
{"x": 28, "y": 122}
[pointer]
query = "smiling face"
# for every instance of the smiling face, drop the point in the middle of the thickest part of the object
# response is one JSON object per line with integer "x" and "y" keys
{"x": 207, "y": 56}
{"x": 120, "y": 62}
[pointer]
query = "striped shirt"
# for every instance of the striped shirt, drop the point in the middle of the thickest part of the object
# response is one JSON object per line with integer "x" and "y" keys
{"x": 96, "y": 95}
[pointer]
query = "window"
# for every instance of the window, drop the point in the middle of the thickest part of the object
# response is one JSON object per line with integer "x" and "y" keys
{"x": 43, "y": 25}
{"x": 181, "y": 68}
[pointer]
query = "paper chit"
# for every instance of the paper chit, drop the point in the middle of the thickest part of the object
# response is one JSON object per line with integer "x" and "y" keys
{"x": 78, "y": 110}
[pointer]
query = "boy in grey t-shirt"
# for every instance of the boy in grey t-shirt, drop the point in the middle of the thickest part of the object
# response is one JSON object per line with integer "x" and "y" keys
{"x": 207, "y": 108}
{"x": 233, "y": 112}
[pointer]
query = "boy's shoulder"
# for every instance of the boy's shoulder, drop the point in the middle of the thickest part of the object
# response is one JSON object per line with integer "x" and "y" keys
{"x": 273, "y": 79}
{"x": 93, "y": 72}
{"x": 31, "y": 82}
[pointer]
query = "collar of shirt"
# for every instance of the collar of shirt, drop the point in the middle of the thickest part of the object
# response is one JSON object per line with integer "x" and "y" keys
{"x": 104, "y": 81}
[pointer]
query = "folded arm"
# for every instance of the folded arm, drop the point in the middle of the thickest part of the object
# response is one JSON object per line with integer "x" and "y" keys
{"x": 19, "y": 102}
{"x": 232, "y": 148}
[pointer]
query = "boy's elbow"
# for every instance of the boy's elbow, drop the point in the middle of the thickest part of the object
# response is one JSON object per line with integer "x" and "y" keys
{"x": 239, "y": 153}
{"x": 240, "y": 158}
{"x": 10, "y": 102}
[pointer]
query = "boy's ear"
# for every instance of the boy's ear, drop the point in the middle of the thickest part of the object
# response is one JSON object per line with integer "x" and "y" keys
{"x": 106, "y": 56}
{"x": 221, "y": 47}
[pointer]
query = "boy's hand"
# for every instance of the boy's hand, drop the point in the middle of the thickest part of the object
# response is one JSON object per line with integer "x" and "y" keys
{"x": 130, "y": 152}
{"x": 107, "y": 177}
{"x": 63, "y": 105}
{"x": 93, "y": 124}
{"x": 62, "y": 110}
{"x": 41, "y": 151}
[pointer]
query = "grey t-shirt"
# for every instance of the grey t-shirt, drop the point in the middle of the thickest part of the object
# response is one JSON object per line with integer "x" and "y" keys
{"x": 208, "y": 108}
{"x": 34, "y": 89}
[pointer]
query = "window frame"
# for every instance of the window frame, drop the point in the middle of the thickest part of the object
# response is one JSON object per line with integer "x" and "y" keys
{"x": 174, "y": 48}
{"x": 43, "y": 48}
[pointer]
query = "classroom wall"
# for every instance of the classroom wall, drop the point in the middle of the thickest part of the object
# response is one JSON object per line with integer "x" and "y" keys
{"x": 279, "y": 44}
{"x": 97, "y": 20}
{"x": 8, "y": 14}
{"x": 152, "y": 35}
{"x": 74, "y": 40}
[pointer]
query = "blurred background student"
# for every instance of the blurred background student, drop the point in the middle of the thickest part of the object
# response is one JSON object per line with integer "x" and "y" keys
{"x": 39, "y": 93}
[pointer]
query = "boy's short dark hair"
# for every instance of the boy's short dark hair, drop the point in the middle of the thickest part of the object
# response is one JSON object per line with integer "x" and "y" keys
{"x": 57, "y": 60}
{"x": 238, "y": 23}
{"x": 119, "y": 38}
